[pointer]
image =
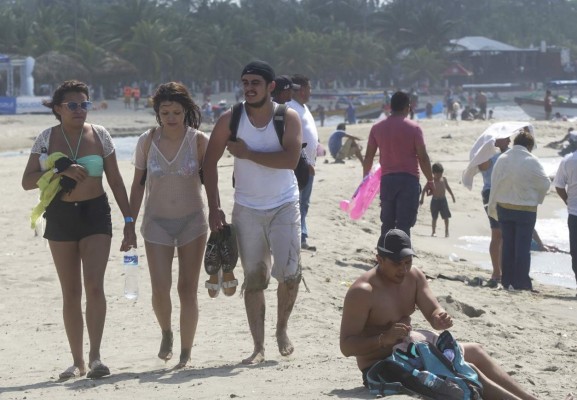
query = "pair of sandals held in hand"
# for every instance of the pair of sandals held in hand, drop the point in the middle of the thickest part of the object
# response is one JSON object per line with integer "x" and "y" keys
{"x": 220, "y": 259}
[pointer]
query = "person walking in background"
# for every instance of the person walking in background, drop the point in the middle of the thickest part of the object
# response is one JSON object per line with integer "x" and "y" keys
{"x": 167, "y": 162}
{"x": 414, "y": 100}
{"x": 284, "y": 86}
{"x": 439, "y": 202}
{"x": 350, "y": 148}
{"x": 127, "y": 91}
{"x": 518, "y": 185}
{"x": 136, "y": 97}
{"x": 266, "y": 202}
{"x": 481, "y": 102}
{"x": 350, "y": 114}
{"x": 566, "y": 186}
{"x": 67, "y": 163}
{"x": 301, "y": 96}
{"x": 401, "y": 151}
{"x": 548, "y": 105}
{"x": 321, "y": 113}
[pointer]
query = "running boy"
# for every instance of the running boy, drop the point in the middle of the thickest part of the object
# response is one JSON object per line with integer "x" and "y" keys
{"x": 439, "y": 202}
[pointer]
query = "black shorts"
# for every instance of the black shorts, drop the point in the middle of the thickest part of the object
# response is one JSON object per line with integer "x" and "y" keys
{"x": 73, "y": 221}
{"x": 440, "y": 205}
{"x": 492, "y": 221}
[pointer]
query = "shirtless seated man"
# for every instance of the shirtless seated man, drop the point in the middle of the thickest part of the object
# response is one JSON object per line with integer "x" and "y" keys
{"x": 377, "y": 310}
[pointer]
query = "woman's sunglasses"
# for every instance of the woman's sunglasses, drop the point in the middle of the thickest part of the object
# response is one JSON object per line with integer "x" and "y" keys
{"x": 72, "y": 105}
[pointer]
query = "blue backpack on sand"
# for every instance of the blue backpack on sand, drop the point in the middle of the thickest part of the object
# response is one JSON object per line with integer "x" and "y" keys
{"x": 400, "y": 372}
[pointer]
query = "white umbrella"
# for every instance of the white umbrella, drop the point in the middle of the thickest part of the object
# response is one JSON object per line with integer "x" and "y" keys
{"x": 484, "y": 147}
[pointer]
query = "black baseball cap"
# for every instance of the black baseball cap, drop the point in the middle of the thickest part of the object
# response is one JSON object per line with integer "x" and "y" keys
{"x": 284, "y": 82}
{"x": 261, "y": 68}
{"x": 395, "y": 244}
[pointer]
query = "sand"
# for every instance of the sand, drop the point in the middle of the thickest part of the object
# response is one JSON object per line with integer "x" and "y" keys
{"x": 534, "y": 336}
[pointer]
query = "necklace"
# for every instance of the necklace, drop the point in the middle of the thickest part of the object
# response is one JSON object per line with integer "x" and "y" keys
{"x": 72, "y": 153}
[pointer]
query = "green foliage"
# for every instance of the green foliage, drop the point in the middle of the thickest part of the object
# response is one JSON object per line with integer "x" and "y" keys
{"x": 343, "y": 40}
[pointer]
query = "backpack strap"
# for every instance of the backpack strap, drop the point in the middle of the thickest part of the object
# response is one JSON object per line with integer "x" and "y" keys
{"x": 278, "y": 120}
{"x": 236, "y": 112}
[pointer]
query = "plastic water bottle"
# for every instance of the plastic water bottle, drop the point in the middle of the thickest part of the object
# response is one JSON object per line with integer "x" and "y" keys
{"x": 131, "y": 274}
{"x": 42, "y": 159}
{"x": 428, "y": 379}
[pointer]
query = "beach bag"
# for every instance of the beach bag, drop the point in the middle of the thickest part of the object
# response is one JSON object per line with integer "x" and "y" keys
{"x": 302, "y": 169}
{"x": 399, "y": 373}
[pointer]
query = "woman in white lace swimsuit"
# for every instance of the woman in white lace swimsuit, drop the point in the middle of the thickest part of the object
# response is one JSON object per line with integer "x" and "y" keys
{"x": 167, "y": 161}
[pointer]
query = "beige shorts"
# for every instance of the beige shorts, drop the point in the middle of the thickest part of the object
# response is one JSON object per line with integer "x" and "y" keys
{"x": 266, "y": 234}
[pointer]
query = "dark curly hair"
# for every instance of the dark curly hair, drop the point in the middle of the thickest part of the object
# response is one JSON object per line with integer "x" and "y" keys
{"x": 60, "y": 92}
{"x": 174, "y": 91}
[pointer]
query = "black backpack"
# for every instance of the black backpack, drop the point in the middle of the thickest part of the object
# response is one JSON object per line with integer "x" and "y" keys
{"x": 302, "y": 170}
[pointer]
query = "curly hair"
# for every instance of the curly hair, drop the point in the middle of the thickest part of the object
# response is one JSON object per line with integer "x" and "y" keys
{"x": 174, "y": 91}
{"x": 61, "y": 91}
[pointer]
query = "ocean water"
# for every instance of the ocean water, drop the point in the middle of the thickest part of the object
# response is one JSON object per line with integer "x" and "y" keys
{"x": 546, "y": 267}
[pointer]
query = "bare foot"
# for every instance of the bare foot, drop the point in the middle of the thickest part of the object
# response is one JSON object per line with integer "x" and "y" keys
{"x": 256, "y": 358}
{"x": 184, "y": 359}
{"x": 165, "y": 352}
{"x": 285, "y": 346}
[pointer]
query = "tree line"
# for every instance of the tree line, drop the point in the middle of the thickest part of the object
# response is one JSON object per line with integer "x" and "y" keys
{"x": 345, "y": 41}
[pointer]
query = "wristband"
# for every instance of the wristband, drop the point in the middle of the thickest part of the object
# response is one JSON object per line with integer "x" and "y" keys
{"x": 128, "y": 219}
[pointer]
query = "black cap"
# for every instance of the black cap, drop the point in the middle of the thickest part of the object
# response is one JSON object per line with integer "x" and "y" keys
{"x": 283, "y": 82}
{"x": 259, "y": 68}
{"x": 395, "y": 244}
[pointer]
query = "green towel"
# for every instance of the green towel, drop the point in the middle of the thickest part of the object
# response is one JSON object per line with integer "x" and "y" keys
{"x": 48, "y": 188}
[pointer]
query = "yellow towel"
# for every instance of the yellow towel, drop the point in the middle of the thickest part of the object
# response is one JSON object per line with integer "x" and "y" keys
{"x": 48, "y": 187}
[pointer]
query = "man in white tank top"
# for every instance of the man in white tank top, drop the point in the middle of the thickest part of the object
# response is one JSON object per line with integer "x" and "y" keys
{"x": 266, "y": 209}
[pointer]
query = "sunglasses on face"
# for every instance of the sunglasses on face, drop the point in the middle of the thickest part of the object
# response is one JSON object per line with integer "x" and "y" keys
{"x": 72, "y": 105}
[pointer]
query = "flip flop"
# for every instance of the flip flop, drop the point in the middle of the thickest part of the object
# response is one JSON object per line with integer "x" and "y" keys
{"x": 97, "y": 370}
{"x": 70, "y": 372}
{"x": 212, "y": 286}
{"x": 229, "y": 286}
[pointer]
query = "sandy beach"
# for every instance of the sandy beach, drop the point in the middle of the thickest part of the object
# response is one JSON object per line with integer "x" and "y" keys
{"x": 534, "y": 336}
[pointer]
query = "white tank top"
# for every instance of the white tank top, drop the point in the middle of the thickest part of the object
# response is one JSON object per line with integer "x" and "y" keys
{"x": 257, "y": 186}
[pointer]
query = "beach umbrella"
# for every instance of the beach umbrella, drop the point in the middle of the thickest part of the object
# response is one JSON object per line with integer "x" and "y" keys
{"x": 56, "y": 67}
{"x": 484, "y": 147}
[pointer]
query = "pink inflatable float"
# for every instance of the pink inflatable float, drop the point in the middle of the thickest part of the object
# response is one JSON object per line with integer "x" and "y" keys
{"x": 364, "y": 195}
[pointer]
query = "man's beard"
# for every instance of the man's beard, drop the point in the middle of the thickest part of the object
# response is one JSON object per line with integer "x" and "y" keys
{"x": 258, "y": 104}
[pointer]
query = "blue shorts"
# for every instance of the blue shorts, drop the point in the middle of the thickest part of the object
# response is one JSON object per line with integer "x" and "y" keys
{"x": 75, "y": 220}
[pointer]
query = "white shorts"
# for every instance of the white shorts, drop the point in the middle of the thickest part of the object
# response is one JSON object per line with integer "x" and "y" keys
{"x": 262, "y": 234}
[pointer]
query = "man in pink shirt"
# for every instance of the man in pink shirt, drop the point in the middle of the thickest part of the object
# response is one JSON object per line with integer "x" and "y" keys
{"x": 401, "y": 151}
